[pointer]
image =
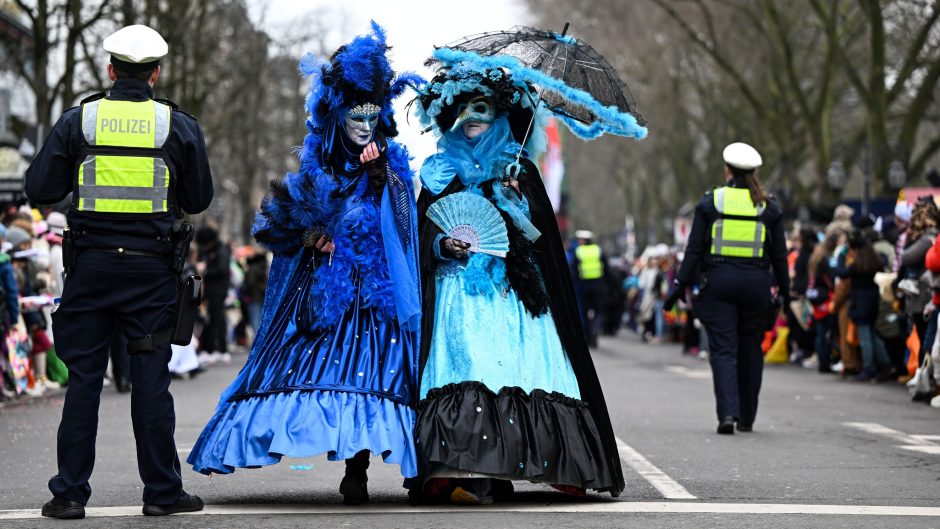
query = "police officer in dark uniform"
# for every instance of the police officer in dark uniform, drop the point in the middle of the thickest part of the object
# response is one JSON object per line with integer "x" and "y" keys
{"x": 590, "y": 268}
{"x": 133, "y": 165}
{"x": 737, "y": 237}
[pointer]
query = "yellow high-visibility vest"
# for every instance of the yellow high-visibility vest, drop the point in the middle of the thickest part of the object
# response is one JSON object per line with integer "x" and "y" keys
{"x": 124, "y": 169}
{"x": 738, "y": 231}
{"x": 590, "y": 265}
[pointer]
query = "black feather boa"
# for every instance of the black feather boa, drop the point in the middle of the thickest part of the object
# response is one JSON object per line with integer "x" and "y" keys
{"x": 523, "y": 275}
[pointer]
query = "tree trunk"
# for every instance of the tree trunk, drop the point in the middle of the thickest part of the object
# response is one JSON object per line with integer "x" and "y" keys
{"x": 41, "y": 48}
{"x": 879, "y": 149}
{"x": 128, "y": 13}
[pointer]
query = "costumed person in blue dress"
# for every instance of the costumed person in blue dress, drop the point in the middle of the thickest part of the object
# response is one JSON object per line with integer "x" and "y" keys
{"x": 508, "y": 388}
{"x": 333, "y": 368}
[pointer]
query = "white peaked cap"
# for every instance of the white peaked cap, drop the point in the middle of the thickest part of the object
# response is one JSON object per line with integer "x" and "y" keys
{"x": 584, "y": 234}
{"x": 136, "y": 44}
{"x": 742, "y": 156}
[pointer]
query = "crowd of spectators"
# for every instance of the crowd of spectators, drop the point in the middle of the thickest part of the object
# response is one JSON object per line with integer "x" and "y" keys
{"x": 864, "y": 301}
{"x": 863, "y": 304}
{"x": 31, "y": 283}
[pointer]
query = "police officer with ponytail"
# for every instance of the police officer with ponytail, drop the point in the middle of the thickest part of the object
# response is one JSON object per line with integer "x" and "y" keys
{"x": 133, "y": 166}
{"x": 737, "y": 239}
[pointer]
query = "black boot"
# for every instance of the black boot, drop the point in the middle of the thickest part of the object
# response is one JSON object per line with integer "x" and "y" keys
{"x": 353, "y": 487}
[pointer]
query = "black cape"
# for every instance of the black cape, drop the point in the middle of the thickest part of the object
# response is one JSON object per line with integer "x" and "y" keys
{"x": 549, "y": 253}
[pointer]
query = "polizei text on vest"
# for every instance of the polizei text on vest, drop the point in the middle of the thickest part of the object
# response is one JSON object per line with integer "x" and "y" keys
{"x": 127, "y": 126}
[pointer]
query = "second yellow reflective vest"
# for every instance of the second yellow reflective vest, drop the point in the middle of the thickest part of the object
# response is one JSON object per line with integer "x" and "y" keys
{"x": 590, "y": 265}
{"x": 738, "y": 231}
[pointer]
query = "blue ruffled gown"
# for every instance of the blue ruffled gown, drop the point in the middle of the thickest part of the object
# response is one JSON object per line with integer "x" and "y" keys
{"x": 334, "y": 369}
{"x": 517, "y": 349}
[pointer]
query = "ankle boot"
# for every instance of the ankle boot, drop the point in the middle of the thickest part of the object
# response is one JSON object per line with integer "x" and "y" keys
{"x": 353, "y": 487}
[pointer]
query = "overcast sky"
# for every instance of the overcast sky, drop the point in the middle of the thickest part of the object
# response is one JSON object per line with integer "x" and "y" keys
{"x": 413, "y": 26}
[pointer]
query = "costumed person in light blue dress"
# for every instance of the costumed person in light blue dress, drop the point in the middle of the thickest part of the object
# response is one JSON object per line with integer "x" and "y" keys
{"x": 333, "y": 368}
{"x": 508, "y": 389}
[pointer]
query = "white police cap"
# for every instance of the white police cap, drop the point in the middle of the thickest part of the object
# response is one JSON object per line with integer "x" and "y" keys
{"x": 137, "y": 44}
{"x": 742, "y": 156}
{"x": 584, "y": 234}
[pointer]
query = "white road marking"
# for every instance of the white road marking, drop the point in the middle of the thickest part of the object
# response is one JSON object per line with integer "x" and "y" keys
{"x": 884, "y": 431}
{"x": 932, "y": 450}
{"x": 668, "y": 487}
{"x": 927, "y": 437}
{"x": 579, "y": 507}
{"x": 914, "y": 443}
{"x": 689, "y": 373}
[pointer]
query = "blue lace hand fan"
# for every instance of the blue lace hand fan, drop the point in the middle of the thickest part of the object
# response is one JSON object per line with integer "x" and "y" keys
{"x": 472, "y": 219}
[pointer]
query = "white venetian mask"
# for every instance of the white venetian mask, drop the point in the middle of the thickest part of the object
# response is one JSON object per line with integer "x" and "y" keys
{"x": 361, "y": 121}
{"x": 480, "y": 109}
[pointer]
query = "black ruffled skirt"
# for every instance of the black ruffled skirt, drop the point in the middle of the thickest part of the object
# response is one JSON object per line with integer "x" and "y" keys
{"x": 544, "y": 437}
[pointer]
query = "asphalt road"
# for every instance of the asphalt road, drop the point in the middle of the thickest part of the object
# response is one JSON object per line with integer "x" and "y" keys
{"x": 825, "y": 453}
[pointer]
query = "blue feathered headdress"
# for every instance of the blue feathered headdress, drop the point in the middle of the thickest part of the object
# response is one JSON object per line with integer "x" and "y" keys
{"x": 357, "y": 73}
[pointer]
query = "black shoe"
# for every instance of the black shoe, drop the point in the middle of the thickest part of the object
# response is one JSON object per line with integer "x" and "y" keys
{"x": 726, "y": 425}
{"x": 847, "y": 374}
{"x": 186, "y": 503}
{"x": 354, "y": 489}
{"x": 502, "y": 490}
{"x": 886, "y": 375}
{"x": 745, "y": 427}
{"x": 63, "y": 509}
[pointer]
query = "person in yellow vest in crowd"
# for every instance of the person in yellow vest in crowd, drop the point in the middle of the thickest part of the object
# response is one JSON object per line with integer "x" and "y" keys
{"x": 133, "y": 166}
{"x": 737, "y": 237}
{"x": 589, "y": 272}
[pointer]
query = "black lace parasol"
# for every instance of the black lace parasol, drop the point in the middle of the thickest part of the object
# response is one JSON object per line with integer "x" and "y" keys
{"x": 564, "y": 70}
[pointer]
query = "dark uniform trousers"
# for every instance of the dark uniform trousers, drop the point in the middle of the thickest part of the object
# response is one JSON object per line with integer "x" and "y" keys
{"x": 733, "y": 307}
{"x": 136, "y": 294}
{"x": 120, "y": 361}
{"x": 593, "y": 294}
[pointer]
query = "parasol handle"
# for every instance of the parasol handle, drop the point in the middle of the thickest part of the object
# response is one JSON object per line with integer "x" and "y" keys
{"x": 515, "y": 165}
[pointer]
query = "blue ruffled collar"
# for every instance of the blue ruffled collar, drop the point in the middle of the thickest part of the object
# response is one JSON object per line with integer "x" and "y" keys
{"x": 474, "y": 160}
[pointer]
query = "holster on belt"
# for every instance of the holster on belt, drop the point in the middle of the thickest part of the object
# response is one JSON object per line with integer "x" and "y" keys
{"x": 183, "y": 233}
{"x": 188, "y": 300}
{"x": 188, "y": 297}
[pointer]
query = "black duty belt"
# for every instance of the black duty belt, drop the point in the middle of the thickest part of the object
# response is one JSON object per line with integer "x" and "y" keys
{"x": 126, "y": 251}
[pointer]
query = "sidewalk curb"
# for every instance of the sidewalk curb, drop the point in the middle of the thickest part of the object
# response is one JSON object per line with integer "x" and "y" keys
{"x": 26, "y": 400}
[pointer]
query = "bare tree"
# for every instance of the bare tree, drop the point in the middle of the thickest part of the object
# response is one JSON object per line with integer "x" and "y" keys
{"x": 57, "y": 28}
{"x": 808, "y": 81}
